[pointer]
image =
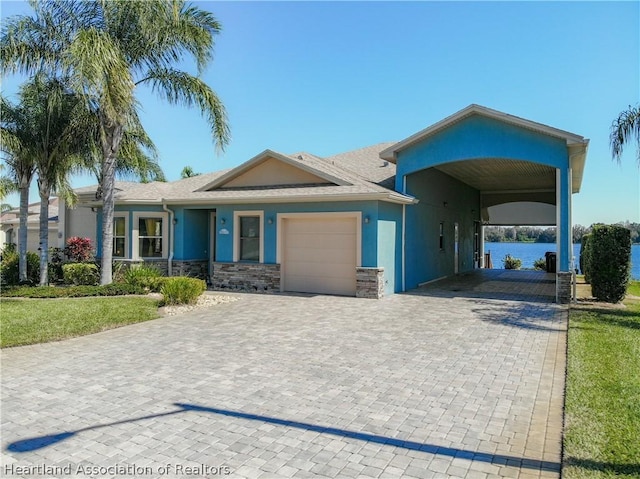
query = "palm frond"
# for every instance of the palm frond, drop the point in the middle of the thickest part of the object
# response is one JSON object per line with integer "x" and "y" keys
{"x": 623, "y": 130}
{"x": 181, "y": 88}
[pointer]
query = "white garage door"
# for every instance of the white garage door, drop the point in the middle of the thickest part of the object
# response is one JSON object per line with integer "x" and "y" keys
{"x": 319, "y": 255}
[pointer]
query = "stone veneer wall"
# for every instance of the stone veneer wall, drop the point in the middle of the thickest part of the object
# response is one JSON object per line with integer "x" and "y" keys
{"x": 563, "y": 285}
{"x": 251, "y": 277}
{"x": 369, "y": 283}
{"x": 196, "y": 268}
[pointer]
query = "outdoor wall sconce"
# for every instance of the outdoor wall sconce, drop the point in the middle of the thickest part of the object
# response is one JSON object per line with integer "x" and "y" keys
{"x": 366, "y": 220}
{"x": 175, "y": 221}
{"x": 223, "y": 221}
{"x": 270, "y": 221}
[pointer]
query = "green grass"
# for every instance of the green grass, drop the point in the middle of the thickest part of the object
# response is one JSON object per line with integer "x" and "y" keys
{"x": 634, "y": 288}
{"x": 602, "y": 405}
{"x": 30, "y": 321}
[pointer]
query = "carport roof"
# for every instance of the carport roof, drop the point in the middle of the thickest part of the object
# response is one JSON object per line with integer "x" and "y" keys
{"x": 485, "y": 176}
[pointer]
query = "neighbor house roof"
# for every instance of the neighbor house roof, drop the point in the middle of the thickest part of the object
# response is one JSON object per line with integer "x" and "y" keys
{"x": 12, "y": 217}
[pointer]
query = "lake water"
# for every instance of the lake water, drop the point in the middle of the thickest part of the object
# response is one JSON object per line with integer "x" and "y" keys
{"x": 529, "y": 252}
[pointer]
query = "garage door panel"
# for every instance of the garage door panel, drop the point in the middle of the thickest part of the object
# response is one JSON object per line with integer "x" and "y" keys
{"x": 319, "y": 255}
{"x": 331, "y": 255}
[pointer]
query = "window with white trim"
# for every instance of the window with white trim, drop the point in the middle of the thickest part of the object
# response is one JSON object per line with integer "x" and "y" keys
{"x": 150, "y": 235}
{"x": 120, "y": 228}
{"x": 249, "y": 236}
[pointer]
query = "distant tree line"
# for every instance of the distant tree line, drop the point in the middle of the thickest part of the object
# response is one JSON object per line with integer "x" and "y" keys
{"x": 536, "y": 234}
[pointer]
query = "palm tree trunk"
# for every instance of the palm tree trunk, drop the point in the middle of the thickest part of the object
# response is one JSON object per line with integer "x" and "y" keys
{"x": 44, "y": 189}
{"x": 110, "y": 145}
{"x": 22, "y": 232}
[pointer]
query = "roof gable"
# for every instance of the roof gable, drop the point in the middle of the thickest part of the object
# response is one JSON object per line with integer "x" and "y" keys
{"x": 271, "y": 169}
{"x": 570, "y": 138}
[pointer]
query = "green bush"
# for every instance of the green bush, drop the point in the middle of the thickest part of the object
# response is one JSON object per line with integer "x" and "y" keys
{"x": 147, "y": 276}
{"x": 540, "y": 264}
{"x": 10, "y": 270}
{"x": 610, "y": 264}
{"x": 80, "y": 274}
{"x": 511, "y": 263}
{"x": 585, "y": 257}
{"x": 115, "y": 289}
{"x": 182, "y": 290}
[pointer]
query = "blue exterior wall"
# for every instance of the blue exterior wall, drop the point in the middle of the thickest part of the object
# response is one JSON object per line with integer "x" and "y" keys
{"x": 390, "y": 245}
{"x": 425, "y": 260}
{"x": 224, "y": 242}
{"x": 192, "y": 234}
{"x": 478, "y": 137}
{"x": 481, "y": 137}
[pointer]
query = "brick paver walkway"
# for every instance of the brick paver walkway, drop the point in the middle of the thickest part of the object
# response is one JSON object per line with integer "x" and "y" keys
{"x": 295, "y": 386}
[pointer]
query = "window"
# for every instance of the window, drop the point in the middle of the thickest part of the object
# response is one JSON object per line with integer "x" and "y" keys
{"x": 249, "y": 238}
{"x": 248, "y": 232}
{"x": 119, "y": 237}
{"x": 150, "y": 235}
{"x": 441, "y": 235}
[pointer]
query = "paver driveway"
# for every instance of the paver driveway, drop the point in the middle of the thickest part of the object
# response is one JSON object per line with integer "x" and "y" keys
{"x": 293, "y": 386}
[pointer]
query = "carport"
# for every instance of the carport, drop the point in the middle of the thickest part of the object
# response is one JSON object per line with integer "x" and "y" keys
{"x": 479, "y": 167}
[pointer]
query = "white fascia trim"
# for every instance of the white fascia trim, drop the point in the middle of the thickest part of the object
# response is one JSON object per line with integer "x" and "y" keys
{"x": 236, "y": 233}
{"x": 266, "y": 154}
{"x": 388, "y": 197}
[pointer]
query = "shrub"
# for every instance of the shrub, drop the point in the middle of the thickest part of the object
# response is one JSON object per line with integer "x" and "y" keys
{"x": 10, "y": 269}
{"x": 80, "y": 273}
{"x": 540, "y": 264}
{"x": 147, "y": 276}
{"x": 610, "y": 264}
{"x": 115, "y": 289}
{"x": 511, "y": 263}
{"x": 182, "y": 290}
{"x": 79, "y": 249}
{"x": 585, "y": 257}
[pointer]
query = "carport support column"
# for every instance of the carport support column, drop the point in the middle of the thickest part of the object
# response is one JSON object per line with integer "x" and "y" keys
{"x": 563, "y": 235}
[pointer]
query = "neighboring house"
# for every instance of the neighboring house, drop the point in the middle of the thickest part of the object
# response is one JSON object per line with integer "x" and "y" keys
{"x": 64, "y": 221}
{"x": 369, "y": 222}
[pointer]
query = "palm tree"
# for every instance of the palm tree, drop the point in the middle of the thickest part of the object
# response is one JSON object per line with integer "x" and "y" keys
{"x": 7, "y": 184}
{"x": 188, "y": 172}
{"x": 109, "y": 48}
{"x": 15, "y": 136}
{"x": 623, "y": 129}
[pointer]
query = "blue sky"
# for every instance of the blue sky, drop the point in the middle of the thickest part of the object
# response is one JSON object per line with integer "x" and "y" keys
{"x": 328, "y": 77}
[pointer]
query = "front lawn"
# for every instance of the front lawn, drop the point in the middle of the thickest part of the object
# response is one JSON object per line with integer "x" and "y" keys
{"x": 30, "y": 321}
{"x": 602, "y": 404}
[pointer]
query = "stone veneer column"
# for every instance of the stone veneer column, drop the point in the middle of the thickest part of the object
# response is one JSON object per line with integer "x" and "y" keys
{"x": 369, "y": 283}
{"x": 563, "y": 287}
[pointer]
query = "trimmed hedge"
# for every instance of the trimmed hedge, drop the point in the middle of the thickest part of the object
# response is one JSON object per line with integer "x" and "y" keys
{"x": 182, "y": 290}
{"x": 80, "y": 274}
{"x": 610, "y": 262}
{"x": 585, "y": 257}
{"x": 115, "y": 289}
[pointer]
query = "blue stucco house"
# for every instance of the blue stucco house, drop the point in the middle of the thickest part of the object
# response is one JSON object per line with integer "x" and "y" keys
{"x": 366, "y": 223}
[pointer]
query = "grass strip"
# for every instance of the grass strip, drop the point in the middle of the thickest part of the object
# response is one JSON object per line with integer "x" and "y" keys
{"x": 30, "y": 321}
{"x": 602, "y": 404}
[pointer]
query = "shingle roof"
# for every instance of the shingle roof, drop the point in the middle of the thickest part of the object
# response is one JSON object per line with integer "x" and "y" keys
{"x": 358, "y": 174}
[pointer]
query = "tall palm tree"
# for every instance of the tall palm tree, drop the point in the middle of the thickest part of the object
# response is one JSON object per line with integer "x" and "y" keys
{"x": 15, "y": 136}
{"x": 623, "y": 129}
{"x": 109, "y": 48}
{"x": 7, "y": 184}
{"x": 188, "y": 172}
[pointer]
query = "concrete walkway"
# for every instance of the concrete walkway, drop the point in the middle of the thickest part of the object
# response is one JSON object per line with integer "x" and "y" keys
{"x": 296, "y": 386}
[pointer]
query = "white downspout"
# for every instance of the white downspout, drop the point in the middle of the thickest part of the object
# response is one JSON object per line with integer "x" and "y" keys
{"x": 172, "y": 233}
